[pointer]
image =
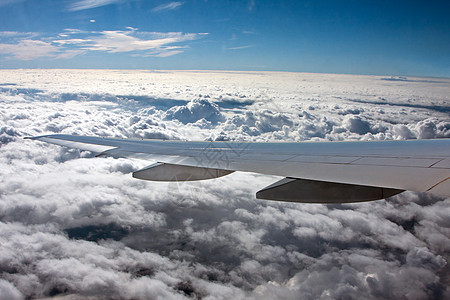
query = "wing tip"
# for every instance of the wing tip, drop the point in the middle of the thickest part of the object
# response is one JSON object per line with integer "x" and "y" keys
{"x": 35, "y": 137}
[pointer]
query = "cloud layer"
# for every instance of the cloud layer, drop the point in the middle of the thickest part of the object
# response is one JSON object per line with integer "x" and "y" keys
{"x": 74, "y": 224}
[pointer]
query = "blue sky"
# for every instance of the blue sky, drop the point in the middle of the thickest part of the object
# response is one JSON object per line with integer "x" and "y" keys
{"x": 357, "y": 37}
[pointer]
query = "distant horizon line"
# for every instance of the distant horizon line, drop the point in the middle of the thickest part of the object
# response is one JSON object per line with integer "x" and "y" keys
{"x": 236, "y": 71}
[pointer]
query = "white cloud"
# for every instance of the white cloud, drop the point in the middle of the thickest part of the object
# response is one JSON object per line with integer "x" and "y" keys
{"x": 251, "y": 5}
{"x": 70, "y": 54}
{"x": 74, "y": 42}
{"x": 74, "y": 31}
{"x": 123, "y": 41}
{"x": 356, "y": 124}
{"x": 119, "y": 41}
{"x": 87, "y": 4}
{"x": 12, "y": 34}
{"x": 194, "y": 111}
{"x": 34, "y": 49}
{"x": 29, "y": 49}
{"x": 8, "y": 290}
{"x": 6, "y": 2}
{"x": 241, "y": 47}
{"x": 168, "y": 6}
{"x": 168, "y": 53}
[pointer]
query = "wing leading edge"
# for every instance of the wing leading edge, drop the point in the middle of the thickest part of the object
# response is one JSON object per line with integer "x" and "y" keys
{"x": 315, "y": 172}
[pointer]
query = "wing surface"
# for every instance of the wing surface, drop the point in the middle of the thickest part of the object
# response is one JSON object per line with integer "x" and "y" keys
{"x": 391, "y": 166}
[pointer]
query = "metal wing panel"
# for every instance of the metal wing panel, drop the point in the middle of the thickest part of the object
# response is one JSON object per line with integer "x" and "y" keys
{"x": 325, "y": 159}
{"x": 394, "y": 149}
{"x": 442, "y": 188}
{"x": 397, "y": 161}
{"x": 444, "y": 164}
{"x": 406, "y": 178}
{"x": 418, "y": 165}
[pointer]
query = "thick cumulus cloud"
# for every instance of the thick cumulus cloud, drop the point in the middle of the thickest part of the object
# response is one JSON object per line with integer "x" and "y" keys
{"x": 75, "y": 225}
{"x": 194, "y": 111}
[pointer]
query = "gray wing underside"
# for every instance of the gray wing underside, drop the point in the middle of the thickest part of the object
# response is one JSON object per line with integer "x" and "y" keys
{"x": 315, "y": 172}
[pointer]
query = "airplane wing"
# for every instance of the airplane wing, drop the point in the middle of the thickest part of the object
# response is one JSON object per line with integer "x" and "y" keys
{"x": 315, "y": 172}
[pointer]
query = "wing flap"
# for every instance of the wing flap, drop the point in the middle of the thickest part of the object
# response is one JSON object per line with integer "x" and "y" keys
{"x": 312, "y": 191}
{"x": 170, "y": 172}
